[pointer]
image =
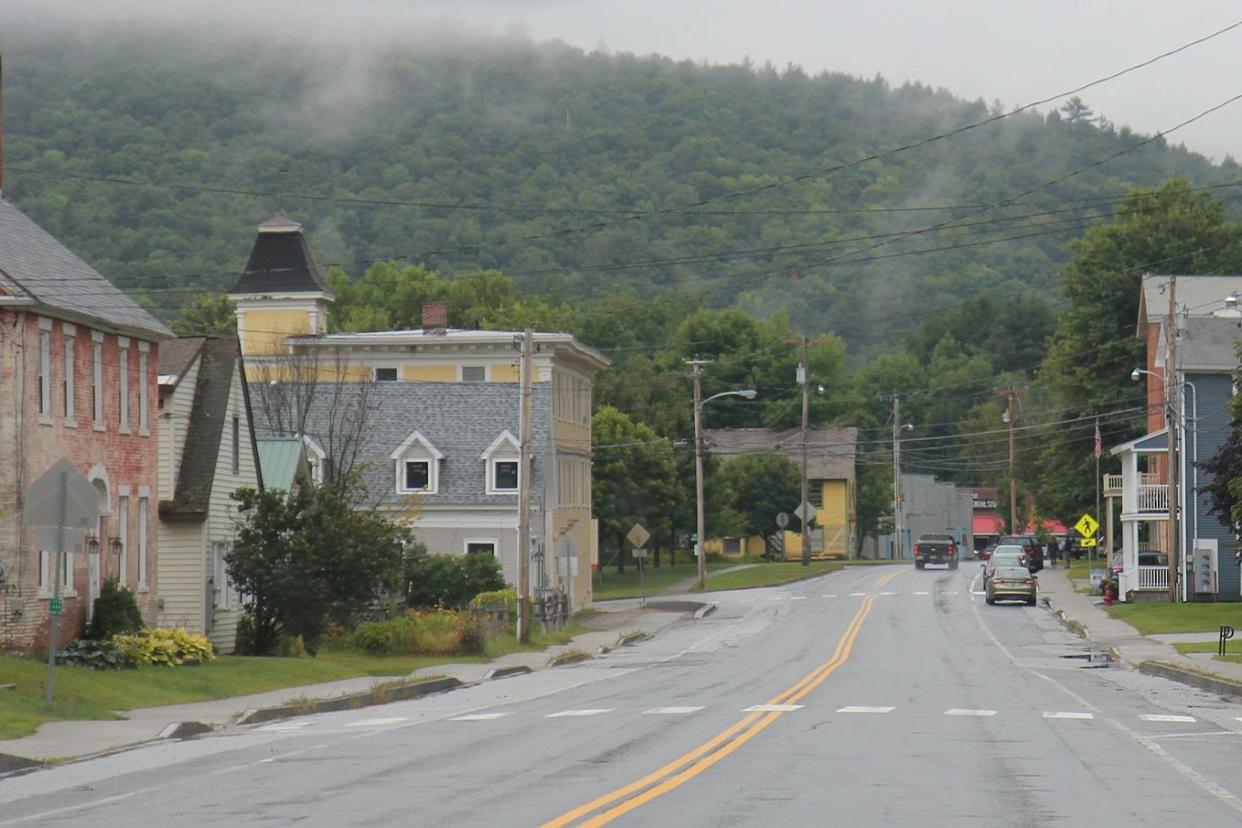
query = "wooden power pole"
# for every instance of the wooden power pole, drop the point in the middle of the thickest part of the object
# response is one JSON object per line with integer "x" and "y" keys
{"x": 524, "y": 468}
{"x": 804, "y": 376}
{"x": 1172, "y": 392}
{"x": 1014, "y": 529}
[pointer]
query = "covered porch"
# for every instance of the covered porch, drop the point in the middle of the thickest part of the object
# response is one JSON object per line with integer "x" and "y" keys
{"x": 1144, "y": 493}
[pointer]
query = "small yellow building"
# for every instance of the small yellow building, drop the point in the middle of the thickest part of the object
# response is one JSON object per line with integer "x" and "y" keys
{"x": 831, "y": 488}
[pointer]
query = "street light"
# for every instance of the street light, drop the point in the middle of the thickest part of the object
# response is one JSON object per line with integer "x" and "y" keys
{"x": 699, "y": 402}
{"x": 1180, "y": 415}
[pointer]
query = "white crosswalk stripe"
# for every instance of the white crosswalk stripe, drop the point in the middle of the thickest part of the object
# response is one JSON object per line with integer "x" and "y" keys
{"x": 862, "y": 709}
{"x": 920, "y": 593}
{"x": 888, "y": 593}
{"x": 858, "y": 594}
{"x": 1067, "y": 715}
{"x": 772, "y": 708}
{"x": 829, "y": 595}
{"x": 960, "y": 711}
{"x": 285, "y": 727}
{"x": 592, "y": 711}
{"x": 671, "y": 711}
{"x": 377, "y": 722}
{"x": 1163, "y": 717}
{"x": 478, "y": 717}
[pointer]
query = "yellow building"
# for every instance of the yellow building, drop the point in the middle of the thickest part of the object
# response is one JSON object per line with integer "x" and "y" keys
{"x": 831, "y": 488}
{"x": 441, "y": 408}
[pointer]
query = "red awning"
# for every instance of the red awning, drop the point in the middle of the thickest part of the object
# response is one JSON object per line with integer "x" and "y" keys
{"x": 986, "y": 524}
{"x": 1054, "y": 527}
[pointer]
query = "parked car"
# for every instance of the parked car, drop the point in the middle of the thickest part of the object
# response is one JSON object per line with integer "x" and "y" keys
{"x": 1153, "y": 559}
{"x": 1011, "y": 583}
{"x": 940, "y": 549}
{"x": 1034, "y": 549}
{"x": 1003, "y": 555}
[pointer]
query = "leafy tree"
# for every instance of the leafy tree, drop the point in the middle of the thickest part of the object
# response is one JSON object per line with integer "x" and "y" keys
{"x": 1087, "y": 369}
{"x": 302, "y": 559}
{"x": 633, "y": 478}
{"x": 761, "y": 487}
{"x": 449, "y": 580}
{"x": 211, "y": 314}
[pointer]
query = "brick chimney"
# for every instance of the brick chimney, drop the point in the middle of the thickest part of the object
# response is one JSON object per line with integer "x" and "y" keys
{"x": 435, "y": 317}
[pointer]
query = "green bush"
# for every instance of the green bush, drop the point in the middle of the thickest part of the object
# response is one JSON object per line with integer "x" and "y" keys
{"x": 98, "y": 655}
{"x": 290, "y": 646}
{"x": 243, "y": 637}
{"x": 471, "y": 636}
{"x": 434, "y": 632}
{"x": 506, "y": 598}
{"x": 449, "y": 580}
{"x": 169, "y": 648}
{"x": 115, "y": 613}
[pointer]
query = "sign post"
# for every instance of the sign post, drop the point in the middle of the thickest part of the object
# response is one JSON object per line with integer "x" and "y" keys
{"x": 62, "y": 503}
{"x": 638, "y": 536}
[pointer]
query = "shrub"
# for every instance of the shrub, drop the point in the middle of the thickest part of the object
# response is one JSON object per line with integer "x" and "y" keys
{"x": 471, "y": 635}
{"x": 495, "y": 598}
{"x": 435, "y": 632}
{"x": 169, "y": 648}
{"x": 115, "y": 613}
{"x": 290, "y": 646}
{"x": 450, "y": 580}
{"x": 98, "y": 655}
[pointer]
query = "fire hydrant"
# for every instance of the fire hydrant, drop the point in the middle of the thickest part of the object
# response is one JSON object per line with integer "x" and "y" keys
{"x": 1108, "y": 593}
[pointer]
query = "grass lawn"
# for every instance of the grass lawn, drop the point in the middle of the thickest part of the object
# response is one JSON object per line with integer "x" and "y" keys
{"x": 96, "y": 694}
{"x": 1178, "y": 618}
{"x": 1233, "y": 649}
{"x": 608, "y": 584}
{"x": 771, "y": 574}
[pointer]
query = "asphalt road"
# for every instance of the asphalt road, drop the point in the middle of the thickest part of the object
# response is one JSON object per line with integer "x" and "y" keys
{"x": 873, "y": 696}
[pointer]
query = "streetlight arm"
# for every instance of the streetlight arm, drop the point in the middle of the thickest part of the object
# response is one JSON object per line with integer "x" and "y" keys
{"x": 748, "y": 393}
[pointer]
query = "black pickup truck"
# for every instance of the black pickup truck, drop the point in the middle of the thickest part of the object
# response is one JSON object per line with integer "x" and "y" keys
{"x": 938, "y": 549}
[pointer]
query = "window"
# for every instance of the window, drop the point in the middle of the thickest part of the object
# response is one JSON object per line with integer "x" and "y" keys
{"x": 221, "y": 588}
{"x": 142, "y": 543}
{"x": 506, "y": 475}
{"x": 45, "y": 374}
{"x": 417, "y": 475}
{"x": 815, "y": 493}
{"x": 122, "y": 528}
{"x": 97, "y": 394}
{"x": 417, "y": 465}
{"x": 68, "y": 380}
{"x": 45, "y": 573}
{"x": 144, "y": 425}
{"x": 122, "y": 363}
{"x": 236, "y": 445}
{"x": 472, "y": 373}
{"x": 480, "y": 547}
{"x": 385, "y": 374}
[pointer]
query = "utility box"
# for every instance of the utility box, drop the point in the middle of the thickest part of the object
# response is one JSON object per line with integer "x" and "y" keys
{"x": 1205, "y": 563}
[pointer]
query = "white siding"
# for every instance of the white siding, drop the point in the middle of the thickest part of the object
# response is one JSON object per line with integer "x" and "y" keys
{"x": 176, "y": 419}
{"x": 182, "y": 575}
{"x": 223, "y": 511}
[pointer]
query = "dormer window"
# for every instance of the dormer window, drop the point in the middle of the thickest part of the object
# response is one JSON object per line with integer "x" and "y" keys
{"x": 501, "y": 465}
{"x": 385, "y": 374}
{"x": 417, "y": 465}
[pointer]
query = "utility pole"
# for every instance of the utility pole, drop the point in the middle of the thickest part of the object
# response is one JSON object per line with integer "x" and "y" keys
{"x": 698, "y": 470}
{"x": 897, "y": 536}
{"x": 1171, "y": 387}
{"x": 524, "y": 608}
{"x": 1013, "y": 482}
{"x": 1096, "y": 450}
{"x": 804, "y": 371}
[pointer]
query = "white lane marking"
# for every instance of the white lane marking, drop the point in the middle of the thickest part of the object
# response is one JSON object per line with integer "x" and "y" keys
{"x": 377, "y": 722}
{"x": 854, "y": 708}
{"x": 590, "y": 711}
{"x": 960, "y": 711}
{"x": 671, "y": 711}
{"x": 949, "y": 592}
{"x": 285, "y": 727}
{"x": 1062, "y": 715}
{"x": 797, "y": 598}
{"x": 1192, "y": 735}
{"x": 1209, "y": 786}
{"x": 70, "y": 809}
{"x": 829, "y": 595}
{"x": 478, "y": 717}
{"x": 858, "y": 594}
{"x": 888, "y": 593}
{"x": 1162, "y": 717}
{"x": 920, "y": 593}
{"x": 772, "y": 708}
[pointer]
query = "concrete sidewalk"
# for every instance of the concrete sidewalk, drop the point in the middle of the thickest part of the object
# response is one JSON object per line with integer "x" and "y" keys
{"x": 61, "y": 740}
{"x": 1153, "y": 654}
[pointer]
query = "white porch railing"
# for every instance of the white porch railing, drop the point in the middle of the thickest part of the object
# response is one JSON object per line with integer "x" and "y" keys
{"x": 1112, "y": 485}
{"x": 1152, "y": 497}
{"x": 1153, "y": 577}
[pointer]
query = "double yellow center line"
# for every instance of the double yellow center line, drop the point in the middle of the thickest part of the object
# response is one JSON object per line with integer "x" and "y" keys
{"x": 686, "y": 767}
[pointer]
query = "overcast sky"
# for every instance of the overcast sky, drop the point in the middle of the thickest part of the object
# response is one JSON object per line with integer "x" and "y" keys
{"x": 1013, "y": 51}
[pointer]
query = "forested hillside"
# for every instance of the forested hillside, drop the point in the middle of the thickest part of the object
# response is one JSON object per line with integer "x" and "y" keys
{"x": 581, "y": 174}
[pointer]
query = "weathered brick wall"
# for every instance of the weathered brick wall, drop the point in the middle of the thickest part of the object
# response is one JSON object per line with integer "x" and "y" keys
{"x": 30, "y": 443}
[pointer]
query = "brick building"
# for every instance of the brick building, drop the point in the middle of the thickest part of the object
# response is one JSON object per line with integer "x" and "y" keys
{"x": 78, "y": 368}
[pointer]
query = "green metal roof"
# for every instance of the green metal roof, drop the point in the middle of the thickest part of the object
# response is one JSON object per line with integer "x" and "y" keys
{"x": 281, "y": 460}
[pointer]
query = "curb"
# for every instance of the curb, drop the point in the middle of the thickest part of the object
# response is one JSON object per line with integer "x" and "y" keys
{"x": 632, "y": 638}
{"x": 1220, "y": 686}
{"x": 505, "y": 672}
{"x": 571, "y": 657}
{"x": 704, "y": 611}
{"x": 350, "y": 702}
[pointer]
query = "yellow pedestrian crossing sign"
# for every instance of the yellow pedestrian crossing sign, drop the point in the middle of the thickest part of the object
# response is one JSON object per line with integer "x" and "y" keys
{"x": 1086, "y": 527}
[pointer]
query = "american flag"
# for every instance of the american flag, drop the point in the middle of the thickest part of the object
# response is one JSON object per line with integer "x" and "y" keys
{"x": 1099, "y": 443}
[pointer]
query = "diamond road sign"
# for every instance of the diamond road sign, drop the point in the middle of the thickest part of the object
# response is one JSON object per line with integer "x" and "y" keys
{"x": 1086, "y": 526}
{"x": 804, "y": 510}
{"x": 638, "y": 535}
